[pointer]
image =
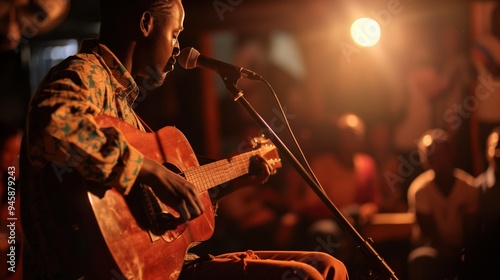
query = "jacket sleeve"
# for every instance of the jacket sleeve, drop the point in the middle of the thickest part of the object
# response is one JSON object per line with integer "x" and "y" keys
{"x": 62, "y": 131}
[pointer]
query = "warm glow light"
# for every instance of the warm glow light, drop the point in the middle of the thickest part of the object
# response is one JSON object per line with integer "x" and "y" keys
{"x": 365, "y": 32}
{"x": 494, "y": 137}
{"x": 492, "y": 143}
{"x": 427, "y": 140}
{"x": 352, "y": 121}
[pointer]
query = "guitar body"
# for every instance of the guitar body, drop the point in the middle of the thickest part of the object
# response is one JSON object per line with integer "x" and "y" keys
{"x": 138, "y": 252}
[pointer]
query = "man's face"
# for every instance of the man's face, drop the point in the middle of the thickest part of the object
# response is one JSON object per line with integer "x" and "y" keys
{"x": 440, "y": 158}
{"x": 161, "y": 47}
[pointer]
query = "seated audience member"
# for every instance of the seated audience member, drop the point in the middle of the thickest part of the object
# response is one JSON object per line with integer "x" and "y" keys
{"x": 349, "y": 178}
{"x": 445, "y": 203}
{"x": 485, "y": 54}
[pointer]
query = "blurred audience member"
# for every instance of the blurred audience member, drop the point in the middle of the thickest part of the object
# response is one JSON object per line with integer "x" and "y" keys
{"x": 28, "y": 18}
{"x": 10, "y": 144}
{"x": 455, "y": 76}
{"x": 455, "y": 80}
{"x": 445, "y": 203}
{"x": 349, "y": 178}
{"x": 414, "y": 110}
{"x": 483, "y": 260}
{"x": 486, "y": 58}
{"x": 437, "y": 83}
{"x": 386, "y": 159}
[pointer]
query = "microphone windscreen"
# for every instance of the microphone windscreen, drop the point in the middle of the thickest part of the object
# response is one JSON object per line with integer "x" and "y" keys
{"x": 187, "y": 58}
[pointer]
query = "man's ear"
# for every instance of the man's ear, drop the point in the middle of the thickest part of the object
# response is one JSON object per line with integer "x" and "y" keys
{"x": 146, "y": 24}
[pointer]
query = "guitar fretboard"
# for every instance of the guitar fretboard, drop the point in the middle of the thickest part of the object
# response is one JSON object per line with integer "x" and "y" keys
{"x": 213, "y": 174}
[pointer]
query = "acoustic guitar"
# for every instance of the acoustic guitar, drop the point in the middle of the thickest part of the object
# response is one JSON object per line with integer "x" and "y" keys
{"x": 140, "y": 231}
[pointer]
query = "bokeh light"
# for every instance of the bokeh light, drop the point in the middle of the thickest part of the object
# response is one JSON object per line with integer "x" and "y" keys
{"x": 365, "y": 32}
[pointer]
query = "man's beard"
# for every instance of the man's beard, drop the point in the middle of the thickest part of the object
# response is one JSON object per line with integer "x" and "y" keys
{"x": 157, "y": 81}
{"x": 153, "y": 80}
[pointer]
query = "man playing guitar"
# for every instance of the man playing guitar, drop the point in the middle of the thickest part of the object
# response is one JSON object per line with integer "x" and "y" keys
{"x": 73, "y": 161}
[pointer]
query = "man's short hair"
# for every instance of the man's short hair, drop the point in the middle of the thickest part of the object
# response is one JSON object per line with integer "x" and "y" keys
{"x": 111, "y": 10}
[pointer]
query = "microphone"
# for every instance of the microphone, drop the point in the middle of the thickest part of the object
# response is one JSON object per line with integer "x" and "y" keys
{"x": 190, "y": 58}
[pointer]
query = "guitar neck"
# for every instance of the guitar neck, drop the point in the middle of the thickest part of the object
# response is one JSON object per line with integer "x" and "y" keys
{"x": 219, "y": 172}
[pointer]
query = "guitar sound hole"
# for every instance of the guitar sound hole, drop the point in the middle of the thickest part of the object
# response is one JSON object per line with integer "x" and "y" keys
{"x": 173, "y": 168}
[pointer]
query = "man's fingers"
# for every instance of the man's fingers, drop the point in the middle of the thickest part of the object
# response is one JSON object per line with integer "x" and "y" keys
{"x": 188, "y": 212}
{"x": 184, "y": 211}
{"x": 190, "y": 206}
{"x": 257, "y": 165}
{"x": 194, "y": 200}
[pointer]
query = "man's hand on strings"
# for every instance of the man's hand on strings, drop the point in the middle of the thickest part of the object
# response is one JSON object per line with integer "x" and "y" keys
{"x": 171, "y": 189}
{"x": 259, "y": 171}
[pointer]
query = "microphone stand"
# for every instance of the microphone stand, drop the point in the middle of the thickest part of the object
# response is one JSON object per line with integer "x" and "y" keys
{"x": 365, "y": 246}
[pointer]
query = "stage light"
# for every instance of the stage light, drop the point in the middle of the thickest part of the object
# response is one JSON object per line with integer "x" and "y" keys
{"x": 365, "y": 32}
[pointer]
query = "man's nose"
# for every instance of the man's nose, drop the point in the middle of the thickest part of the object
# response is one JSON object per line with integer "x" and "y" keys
{"x": 177, "y": 50}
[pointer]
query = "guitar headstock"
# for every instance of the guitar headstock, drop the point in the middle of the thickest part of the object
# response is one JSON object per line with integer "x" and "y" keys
{"x": 267, "y": 150}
